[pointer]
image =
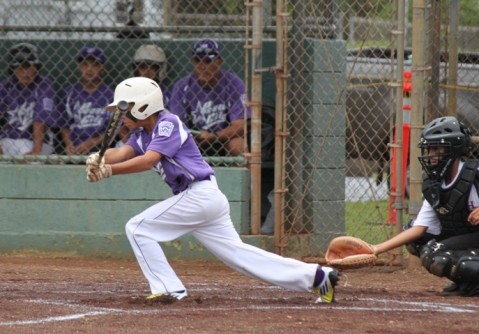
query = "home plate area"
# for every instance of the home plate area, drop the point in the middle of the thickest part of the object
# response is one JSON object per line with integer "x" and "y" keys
{"x": 70, "y": 295}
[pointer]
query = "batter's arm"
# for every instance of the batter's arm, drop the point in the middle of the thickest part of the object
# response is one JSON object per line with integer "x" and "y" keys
{"x": 119, "y": 154}
{"x": 137, "y": 164}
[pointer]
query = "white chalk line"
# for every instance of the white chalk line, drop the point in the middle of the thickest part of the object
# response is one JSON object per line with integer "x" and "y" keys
{"x": 96, "y": 311}
{"x": 103, "y": 288}
{"x": 51, "y": 319}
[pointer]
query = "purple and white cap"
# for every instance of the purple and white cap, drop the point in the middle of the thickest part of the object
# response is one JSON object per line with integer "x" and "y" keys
{"x": 92, "y": 52}
{"x": 206, "y": 48}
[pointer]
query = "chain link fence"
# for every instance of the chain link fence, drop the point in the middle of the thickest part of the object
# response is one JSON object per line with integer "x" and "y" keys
{"x": 378, "y": 38}
{"x": 330, "y": 76}
{"x": 63, "y": 60}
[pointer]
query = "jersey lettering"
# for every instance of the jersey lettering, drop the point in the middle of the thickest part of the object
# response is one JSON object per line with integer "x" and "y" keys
{"x": 209, "y": 114}
{"x": 22, "y": 116}
{"x": 87, "y": 116}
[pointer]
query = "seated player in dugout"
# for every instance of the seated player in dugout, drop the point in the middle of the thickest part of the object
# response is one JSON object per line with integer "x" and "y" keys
{"x": 150, "y": 62}
{"x": 211, "y": 101}
{"x": 27, "y": 104}
{"x": 84, "y": 117}
{"x": 445, "y": 233}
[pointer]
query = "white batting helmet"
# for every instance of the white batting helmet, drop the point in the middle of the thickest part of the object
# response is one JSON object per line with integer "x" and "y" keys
{"x": 144, "y": 93}
{"x": 151, "y": 54}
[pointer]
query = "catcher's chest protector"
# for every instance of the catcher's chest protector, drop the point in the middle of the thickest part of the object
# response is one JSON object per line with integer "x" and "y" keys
{"x": 453, "y": 210}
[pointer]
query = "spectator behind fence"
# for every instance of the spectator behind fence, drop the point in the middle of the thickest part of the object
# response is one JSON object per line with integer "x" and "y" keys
{"x": 27, "y": 104}
{"x": 84, "y": 117}
{"x": 150, "y": 62}
{"x": 212, "y": 101}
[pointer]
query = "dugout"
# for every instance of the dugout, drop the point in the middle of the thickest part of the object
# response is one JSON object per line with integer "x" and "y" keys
{"x": 59, "y": 59}
{"x": 51, "y": 207}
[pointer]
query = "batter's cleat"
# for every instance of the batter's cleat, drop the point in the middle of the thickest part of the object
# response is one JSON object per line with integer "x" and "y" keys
{"x": 178, "y": 295}
{"x": 325, "y": 289}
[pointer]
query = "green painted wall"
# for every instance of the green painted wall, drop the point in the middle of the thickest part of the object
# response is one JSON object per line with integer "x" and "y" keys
{"x": 54, "y": 209}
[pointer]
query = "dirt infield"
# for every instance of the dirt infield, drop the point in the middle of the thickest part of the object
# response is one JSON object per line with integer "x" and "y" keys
{"x": 55, "y": 294}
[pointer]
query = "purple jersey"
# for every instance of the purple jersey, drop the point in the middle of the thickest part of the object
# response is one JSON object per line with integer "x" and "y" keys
{"x": 84, "y": 113}
{"x": 20, "y": 107}
{"x": 209, "y": 109}
{"x": 181, "y": 162}
{"x": 166, "y": 95}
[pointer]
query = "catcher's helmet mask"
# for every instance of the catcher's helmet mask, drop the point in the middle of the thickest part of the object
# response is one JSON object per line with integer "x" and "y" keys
{"x": 453, "y": 136}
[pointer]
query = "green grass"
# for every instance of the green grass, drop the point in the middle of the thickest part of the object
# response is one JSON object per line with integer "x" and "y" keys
{"x": 369, "y": 221}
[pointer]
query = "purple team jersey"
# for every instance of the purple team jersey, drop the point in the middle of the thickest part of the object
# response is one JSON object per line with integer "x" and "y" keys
{"x": 209, "y": 109}
{"x": 20, "y": 107}
{"x": 84, "y": 113}
{"x": 181, "y": 162}
{"x": 166, "y": 95}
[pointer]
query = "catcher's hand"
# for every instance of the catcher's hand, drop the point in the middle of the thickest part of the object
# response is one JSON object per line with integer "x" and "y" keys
{"x": 349, "y": 252}
{"x": 97, "y": 173}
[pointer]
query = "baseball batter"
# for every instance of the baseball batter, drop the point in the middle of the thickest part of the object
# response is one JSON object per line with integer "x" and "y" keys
{"x": 160, "y": 141}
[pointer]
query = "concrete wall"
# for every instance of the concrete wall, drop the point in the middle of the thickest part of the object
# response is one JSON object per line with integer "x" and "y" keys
{"x": 327, "y": 170}
{"x": 54, "y": 209}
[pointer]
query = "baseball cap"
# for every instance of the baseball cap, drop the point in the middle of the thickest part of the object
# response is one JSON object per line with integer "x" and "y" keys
{"x": 92, "y": 52}
{"x": 23, "y": 53}
{"x": 206, "y": 48}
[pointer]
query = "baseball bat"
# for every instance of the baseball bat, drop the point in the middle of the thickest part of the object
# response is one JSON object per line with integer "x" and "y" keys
{"x": 113, "y": 128}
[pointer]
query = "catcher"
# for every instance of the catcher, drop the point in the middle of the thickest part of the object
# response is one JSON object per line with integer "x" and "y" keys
{"x": 445, "y": 234}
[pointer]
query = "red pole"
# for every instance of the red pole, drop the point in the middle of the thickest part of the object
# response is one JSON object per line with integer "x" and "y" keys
{"x": 407, "y": 88}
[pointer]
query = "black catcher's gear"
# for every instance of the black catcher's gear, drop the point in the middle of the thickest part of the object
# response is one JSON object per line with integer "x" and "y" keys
{"x": 451, "y": 204}
{"x": 445, "y": 132}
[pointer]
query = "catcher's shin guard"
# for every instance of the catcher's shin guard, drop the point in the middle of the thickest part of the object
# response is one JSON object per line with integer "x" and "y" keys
{"x": 414, "y": 249}
{"x": 441, "y": 265}
{"x": 427, "y": 253}
{"x": 468, "y": 269}
{"x": 436, "y": 259}
{"x": 467, "y": 275}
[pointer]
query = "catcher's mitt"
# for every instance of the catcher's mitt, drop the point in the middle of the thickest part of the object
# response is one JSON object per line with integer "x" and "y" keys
{"x": 349, "y": 252}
